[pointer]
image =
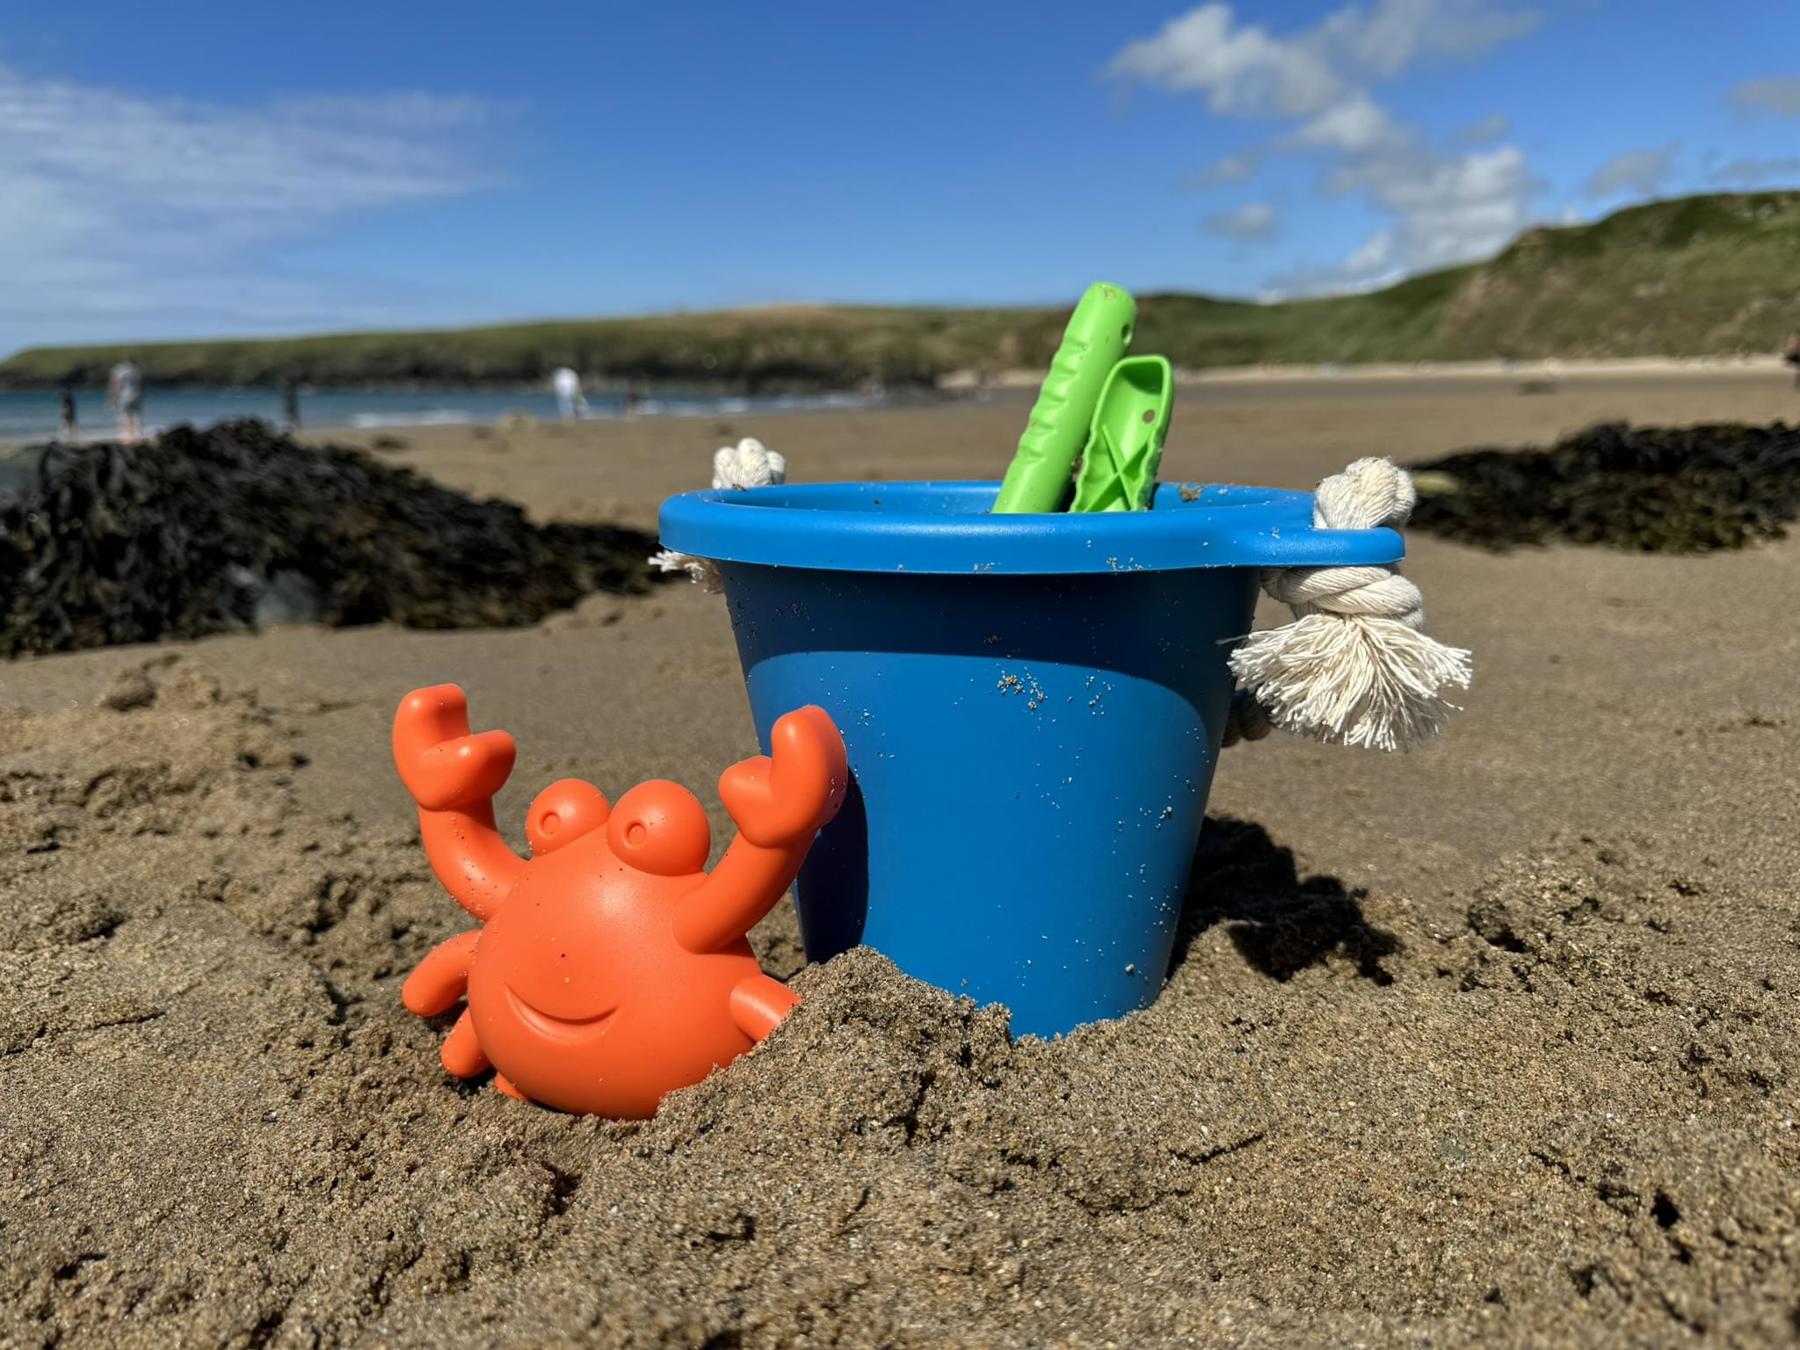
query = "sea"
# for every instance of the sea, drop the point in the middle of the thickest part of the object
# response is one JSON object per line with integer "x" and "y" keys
{"x": 27, "y": 415}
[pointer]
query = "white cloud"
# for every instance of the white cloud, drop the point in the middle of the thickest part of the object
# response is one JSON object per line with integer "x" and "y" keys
{"x": 1384, "y": 39}
{"x": 1241, "y": 69}
{"x": 1638, "y": 173}
{"x": 1442, "y": 207}
{"x": 1486, "y": 130}
{"x": 1355, "y": 126}
{"x": 1462, "y": 207}
{"x": 1447, "y": 209}
{"x": 1246, "y": 72}
{"x": 1249, "y": 223}
{"x": 1226, "y": 169}
{"x": 1374, "y": 257}
{"x": 122, "y": 213}
{"x": 1754, "y": 172}
{"x": 1778, "y": 94}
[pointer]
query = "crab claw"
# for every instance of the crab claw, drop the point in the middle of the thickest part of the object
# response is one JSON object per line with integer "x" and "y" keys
{"x": 785, "y": 796}
{"x": 442, "y": 765}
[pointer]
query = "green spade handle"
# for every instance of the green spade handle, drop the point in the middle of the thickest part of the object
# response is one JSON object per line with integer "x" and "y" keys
{"x": 1098, "y": 334}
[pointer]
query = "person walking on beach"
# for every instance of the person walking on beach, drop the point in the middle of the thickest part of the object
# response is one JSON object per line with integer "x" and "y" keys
{"x": 570, "y": 402}
{"x": 1790, "y": 352}
{"x": 125, "y": 394}
{"x": 290, "y": 405}
{"x": 68, "y": 423}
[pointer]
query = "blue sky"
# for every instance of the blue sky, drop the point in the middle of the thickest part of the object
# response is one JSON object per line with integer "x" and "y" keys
{"x": 201, "y": 169}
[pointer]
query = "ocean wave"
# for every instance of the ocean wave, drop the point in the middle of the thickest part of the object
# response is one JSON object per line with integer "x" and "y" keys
{"x": 424, "y": 417}
{"x": 28, "y": 416}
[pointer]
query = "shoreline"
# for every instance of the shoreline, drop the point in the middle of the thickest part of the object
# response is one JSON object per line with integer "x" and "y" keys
{"x": 965, "y": 387}
{"x": 377, "y": 422}
{"x": 1544, "y": 368}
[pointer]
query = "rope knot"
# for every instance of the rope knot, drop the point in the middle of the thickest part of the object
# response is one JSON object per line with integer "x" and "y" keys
{"x": 1355, "y": 667}
{"x": 1368, "y": 493}
{"x": 748, "y": 464}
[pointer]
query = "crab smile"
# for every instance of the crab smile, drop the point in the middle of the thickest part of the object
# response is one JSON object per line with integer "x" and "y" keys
{"x": 557, "y": 1028}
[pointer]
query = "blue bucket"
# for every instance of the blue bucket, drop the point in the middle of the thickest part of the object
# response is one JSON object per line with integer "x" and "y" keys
{"x": 1032, "y": 706}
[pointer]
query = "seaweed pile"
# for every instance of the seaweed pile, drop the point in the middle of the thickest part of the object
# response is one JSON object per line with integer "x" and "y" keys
{"x": 203, "y": 532}
{"x": 1649, "y": 489}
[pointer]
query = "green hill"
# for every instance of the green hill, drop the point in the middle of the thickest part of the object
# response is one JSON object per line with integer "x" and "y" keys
{"x": 1708, "y": 275}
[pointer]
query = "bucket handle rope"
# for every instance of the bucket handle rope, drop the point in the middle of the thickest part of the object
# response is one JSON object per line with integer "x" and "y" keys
{"x": 748, "y": 464}
{"x": 1356, "y": 666}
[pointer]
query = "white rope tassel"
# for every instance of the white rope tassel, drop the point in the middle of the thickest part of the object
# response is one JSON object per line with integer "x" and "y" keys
{"x": 748, "y": 464}
{"x": 1355, "y": 667}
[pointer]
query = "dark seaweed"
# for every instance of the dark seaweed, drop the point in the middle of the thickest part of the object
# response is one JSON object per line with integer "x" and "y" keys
{"x": 1649, "y": 489}
{"x": 201, "y": 532}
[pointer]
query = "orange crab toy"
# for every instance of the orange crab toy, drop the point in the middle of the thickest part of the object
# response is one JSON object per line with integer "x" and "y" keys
{"x": 612, "y": 967}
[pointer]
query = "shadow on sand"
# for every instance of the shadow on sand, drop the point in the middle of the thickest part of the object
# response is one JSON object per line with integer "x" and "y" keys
{"x": 1282, "y": 923}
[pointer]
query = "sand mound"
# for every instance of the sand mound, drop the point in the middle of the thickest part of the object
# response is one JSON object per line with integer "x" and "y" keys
{"x": 204, "y": 531}
{"x": 1560, "y": 1109}
{"x": 1651, "y": 489}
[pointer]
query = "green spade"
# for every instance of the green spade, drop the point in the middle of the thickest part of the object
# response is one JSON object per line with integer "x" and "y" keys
{"x": 1099, "y": 333}
{"x": 1125, "y": 443}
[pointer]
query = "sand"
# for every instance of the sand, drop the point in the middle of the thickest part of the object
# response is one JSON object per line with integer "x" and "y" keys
{"x": 1495, "y": 1041}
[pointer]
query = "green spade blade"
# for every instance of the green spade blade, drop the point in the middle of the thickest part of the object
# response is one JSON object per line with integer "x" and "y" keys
{"x": 1099, "y": 333}
{"x": 1125, "y": 443}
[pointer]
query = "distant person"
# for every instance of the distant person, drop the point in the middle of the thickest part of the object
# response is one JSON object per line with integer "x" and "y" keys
{"x": 125, "y": 395}
{"x": 634, "y": 398}
{"x": 570, "y": 402}
{"x": 1790, "y": 352}
{"x": 68, "y": 423}
{"x": 290, "y": 404}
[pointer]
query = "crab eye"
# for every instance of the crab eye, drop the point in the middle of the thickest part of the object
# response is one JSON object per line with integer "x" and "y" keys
{"x": 564, "y": 811}
{"x": 659, "y": 828}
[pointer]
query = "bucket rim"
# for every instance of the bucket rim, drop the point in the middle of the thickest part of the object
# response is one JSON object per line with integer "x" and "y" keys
{"x": 945, "y": 527}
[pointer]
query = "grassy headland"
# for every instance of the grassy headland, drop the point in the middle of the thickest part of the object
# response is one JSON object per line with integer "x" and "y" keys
{"x": 1696, "y": 276}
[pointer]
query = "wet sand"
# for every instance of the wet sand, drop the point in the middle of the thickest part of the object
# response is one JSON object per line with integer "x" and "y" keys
{"x": 1492, "y": 1041}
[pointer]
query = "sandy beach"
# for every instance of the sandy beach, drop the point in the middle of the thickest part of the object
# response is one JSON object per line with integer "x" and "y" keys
{"x": 1497, "y": 1041}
